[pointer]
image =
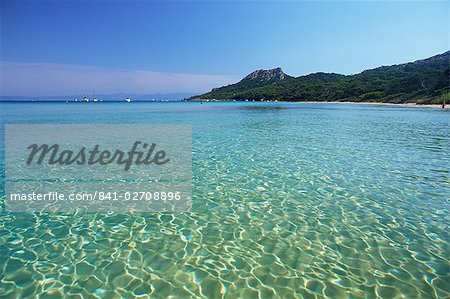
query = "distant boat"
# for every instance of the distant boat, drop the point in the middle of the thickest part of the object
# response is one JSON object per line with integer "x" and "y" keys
{"x": 85, "y": 98}
{"x": 127, "y": 100}
{"x": 93, "y": 95}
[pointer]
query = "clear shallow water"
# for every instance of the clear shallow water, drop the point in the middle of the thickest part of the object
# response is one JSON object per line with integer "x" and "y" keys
{"x": 289, "y": 200}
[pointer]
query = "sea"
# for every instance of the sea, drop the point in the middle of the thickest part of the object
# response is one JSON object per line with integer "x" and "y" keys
{"x": 289, "y": 200}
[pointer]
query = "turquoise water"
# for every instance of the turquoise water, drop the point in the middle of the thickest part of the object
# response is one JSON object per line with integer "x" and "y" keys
{"x": 290, "y": 200}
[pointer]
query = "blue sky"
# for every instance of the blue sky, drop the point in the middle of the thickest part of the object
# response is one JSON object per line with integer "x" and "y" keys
{"x": 57, "y": 47}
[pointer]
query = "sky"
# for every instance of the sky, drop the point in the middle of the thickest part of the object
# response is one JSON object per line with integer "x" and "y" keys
{"x": 65, "y": 47}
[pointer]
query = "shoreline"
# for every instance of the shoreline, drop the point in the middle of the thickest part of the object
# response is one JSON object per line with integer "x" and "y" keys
{"x": 447, "y": 106}
{"x": 436, "y": 106}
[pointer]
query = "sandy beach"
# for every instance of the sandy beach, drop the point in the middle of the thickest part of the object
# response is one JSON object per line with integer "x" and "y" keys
{"x": 435, "y": 106}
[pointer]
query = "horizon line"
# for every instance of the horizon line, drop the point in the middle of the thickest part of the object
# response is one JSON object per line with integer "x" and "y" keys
{"x": 185, "y": 80}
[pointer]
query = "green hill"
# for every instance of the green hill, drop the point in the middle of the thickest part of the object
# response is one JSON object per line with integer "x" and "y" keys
{"x": 423, "y": 81}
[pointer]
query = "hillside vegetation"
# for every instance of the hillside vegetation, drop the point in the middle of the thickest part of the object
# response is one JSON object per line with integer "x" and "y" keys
{"x": 423, "y": 82}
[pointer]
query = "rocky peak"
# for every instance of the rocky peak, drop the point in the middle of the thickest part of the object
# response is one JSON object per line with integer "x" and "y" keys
{"x": 444, "y": 57}
{"x": 266, "y": 75}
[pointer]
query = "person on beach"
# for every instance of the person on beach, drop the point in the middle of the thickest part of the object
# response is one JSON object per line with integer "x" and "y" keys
{"x": 443, "y": 105}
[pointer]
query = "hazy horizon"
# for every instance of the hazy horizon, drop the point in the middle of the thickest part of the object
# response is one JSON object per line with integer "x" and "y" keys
{"x": 108, "y": 97}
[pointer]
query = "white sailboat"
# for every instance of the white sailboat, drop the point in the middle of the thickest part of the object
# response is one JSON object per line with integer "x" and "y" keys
{"x": 85, "y": 98}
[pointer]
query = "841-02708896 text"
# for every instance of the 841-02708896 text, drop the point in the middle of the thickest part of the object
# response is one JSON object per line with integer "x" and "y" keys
{"x": 99, "y": 195}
